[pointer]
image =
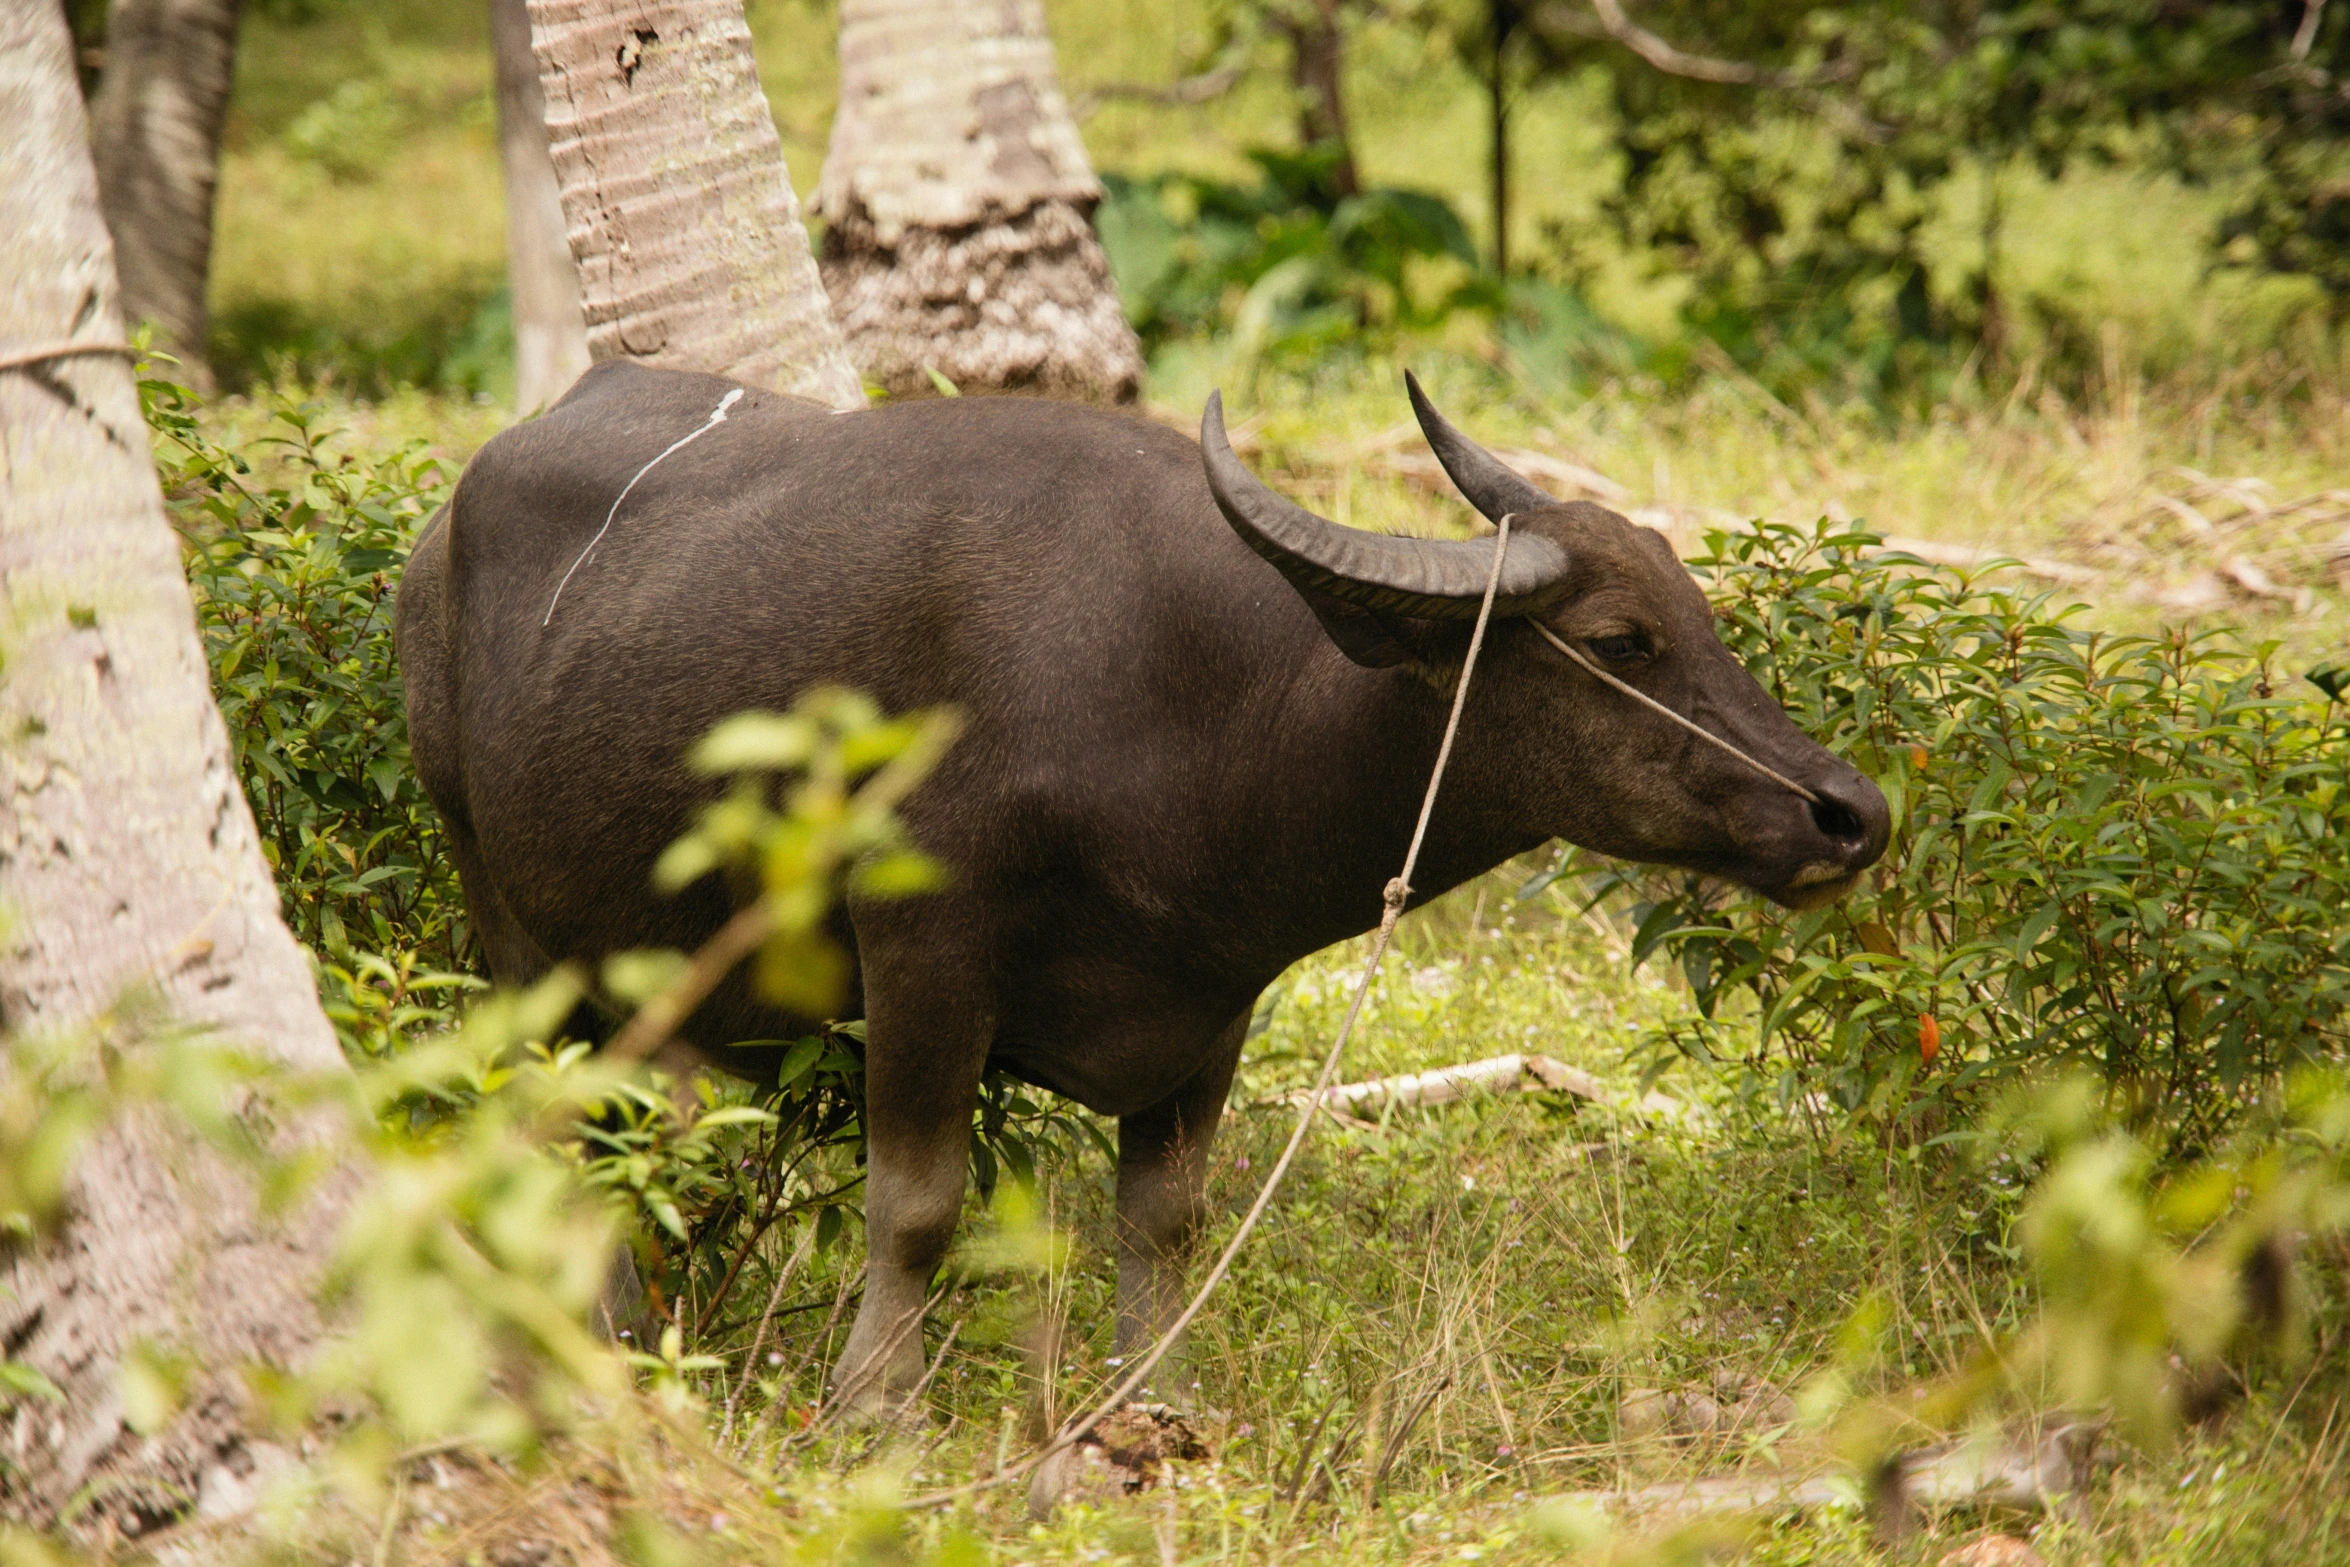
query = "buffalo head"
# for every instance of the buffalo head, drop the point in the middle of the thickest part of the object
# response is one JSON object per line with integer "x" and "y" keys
{"x": 1566, "y": 753}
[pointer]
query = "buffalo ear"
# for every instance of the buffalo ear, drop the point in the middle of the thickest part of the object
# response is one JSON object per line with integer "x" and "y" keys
{"x": 1381, "y": 639}
{"x": 1366, "y": 636}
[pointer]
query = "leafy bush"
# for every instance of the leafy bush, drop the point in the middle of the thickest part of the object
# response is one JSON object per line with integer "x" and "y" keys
{"x": 1830, "y": 197}
{"x": 293, "y": 551}
{"x": 1287, "y": 262}
{"x": 2121, "y": 854}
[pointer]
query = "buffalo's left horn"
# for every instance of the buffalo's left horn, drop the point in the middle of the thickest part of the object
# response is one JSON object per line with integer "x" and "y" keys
{"x": 1488, "y": 482}
{"x": 1438, "y": 579}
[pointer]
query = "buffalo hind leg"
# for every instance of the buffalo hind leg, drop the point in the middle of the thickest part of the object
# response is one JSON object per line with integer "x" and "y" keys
{"x": 926, "y": 1043}
{"x": 1162, "y": 1182}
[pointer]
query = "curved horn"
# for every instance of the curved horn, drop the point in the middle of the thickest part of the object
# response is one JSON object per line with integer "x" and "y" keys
{"x": 1490, "y": 486}
{"x": 1436, "y": 579}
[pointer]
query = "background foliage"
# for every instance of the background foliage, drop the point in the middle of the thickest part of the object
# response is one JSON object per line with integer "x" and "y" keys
{"x": 2115, "y": 854}
{"x": 2006, "y": 176}
{"x": 1291, "y": 264}
{"x": 1798, "y": 165}
{"x": 294, "y": 550}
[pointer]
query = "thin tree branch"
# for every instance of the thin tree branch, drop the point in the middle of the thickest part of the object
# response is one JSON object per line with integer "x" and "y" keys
{"x": 1608, "y": 21}
{"x": 659, "y": 1018}
{"x": 2304, "y": 37}
{"x": 1206, "y": 86}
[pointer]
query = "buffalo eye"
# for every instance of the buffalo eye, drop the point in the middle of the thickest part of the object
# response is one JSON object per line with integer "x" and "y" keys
{"x": 1630, "y": 648}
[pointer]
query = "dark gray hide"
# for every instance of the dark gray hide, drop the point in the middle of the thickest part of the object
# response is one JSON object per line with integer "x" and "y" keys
{"x": 1172, "y": 784}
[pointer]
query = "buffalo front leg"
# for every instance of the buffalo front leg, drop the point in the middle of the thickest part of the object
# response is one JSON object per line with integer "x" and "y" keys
{"x": 1162, "y": 1181}
{"x": 924, "y": 1053}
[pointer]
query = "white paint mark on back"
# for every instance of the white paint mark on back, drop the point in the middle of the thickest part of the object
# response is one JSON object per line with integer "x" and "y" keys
{"x": 717, "y": 418}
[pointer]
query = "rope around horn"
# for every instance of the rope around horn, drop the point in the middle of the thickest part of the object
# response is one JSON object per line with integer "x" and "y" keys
{"x": 1392, "y": 899}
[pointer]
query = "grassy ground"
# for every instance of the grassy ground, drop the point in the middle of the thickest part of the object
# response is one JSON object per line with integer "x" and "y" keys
{"x": 1451, "y": 1318}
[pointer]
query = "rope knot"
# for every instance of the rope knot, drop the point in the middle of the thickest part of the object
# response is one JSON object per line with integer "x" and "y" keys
{"x": 1395, "y": 893}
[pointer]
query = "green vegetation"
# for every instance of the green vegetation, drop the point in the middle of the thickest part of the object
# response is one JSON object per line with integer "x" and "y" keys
{"x": 294, "y": 553}
{"x": 2074, "y": 327}
{"x": 2123, "y": 855}
{"x": 1832, "y": 181}
{"x": 1291, "y": 267}
{"x": 1677, "y": 214}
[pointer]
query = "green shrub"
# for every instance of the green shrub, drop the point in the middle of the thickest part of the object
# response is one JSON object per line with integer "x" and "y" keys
{"x": 1288, "y": 263}
{"x": 2123, "y": 854}
{"x": 453, "y": 333}
{"x": 293, "y": 552}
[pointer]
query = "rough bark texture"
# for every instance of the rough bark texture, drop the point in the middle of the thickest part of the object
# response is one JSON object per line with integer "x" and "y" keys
{"x": 155, "y": 130}
{"x": 550, "y": 338}
{"x": 958, "y": 201}
{"x": 128, "y": 862}
{"x": 689, "y": 242}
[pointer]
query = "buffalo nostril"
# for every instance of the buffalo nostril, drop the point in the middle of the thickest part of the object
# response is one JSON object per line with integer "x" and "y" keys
{"x": 1837, "y": 821}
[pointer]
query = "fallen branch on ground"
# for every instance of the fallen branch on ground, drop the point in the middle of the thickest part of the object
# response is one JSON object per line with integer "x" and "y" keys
{"x": 1498, "y": 1074}
{"x": 1494, "y": 1075}
{"x": 1565, "y": 480}
{"x": 1203, "y": 88}
{"x": 2021, "y": 1470}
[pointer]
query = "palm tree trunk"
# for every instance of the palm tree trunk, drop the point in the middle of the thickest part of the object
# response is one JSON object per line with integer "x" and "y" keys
{"x": 129, "y": 867}
{"x": 690, "y": 247}
{"x": 550, "y": 339}
{"x": 155, "y": 129}
{"x": 958, "y": 204}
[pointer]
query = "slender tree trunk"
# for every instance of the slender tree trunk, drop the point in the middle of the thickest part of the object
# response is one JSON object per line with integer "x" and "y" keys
{"x": 690, "y": 247}
{"x": 155, "y": 129}
{"x": 958, "y": 203}
{"x": 1504, "y": 17}
{"x": 550, "y": 338}
{"x": 129, "y": 865}
{"x": 1317, "y": 64}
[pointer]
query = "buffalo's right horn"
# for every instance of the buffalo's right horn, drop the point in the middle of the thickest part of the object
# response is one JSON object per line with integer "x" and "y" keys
{"x": 1488, "y": 482}
{"x": 1437, "y": 579}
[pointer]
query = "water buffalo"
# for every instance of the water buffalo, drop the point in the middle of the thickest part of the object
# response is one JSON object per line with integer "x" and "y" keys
{"x": 1198, "y": 720}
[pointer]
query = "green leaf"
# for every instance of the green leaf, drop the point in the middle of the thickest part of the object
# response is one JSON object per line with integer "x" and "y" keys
{"x": 27, "y": 1382}
{"x": 774, "y": 742}
{"x": 637, "y": 977}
